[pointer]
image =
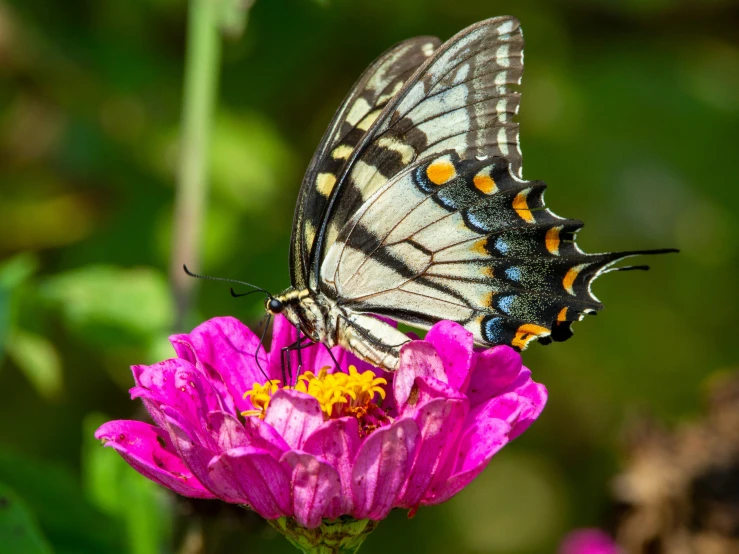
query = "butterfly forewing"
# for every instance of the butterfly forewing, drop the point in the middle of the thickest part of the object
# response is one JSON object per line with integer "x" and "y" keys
{"x": 461, "y": 99}
{"x": 374, "y": 89}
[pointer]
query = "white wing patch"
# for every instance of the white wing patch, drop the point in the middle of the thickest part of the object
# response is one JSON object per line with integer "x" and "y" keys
{"x": 359, "y": 109}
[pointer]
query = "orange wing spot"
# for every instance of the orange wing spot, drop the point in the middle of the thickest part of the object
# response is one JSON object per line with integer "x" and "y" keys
{"x": 487, "y": 299}
{"x": 480, "y": 247}
{"x": 562, "y": 315}
{"x": 484, "y": 183}
{"x": 570, "y": 277}
{"x": 526, "y": 333}
{"x": 488, "y": 271}
{"x": 522, "y": 207}
{"x": 552, "y": 240}
{"x": 440, "y": 171}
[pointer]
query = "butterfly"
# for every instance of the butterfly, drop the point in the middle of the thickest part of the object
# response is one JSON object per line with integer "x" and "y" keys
{"x": 414, "y": 208}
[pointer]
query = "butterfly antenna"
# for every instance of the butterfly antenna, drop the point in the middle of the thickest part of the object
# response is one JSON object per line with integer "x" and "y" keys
{"x": 210, "y": 278}
{"x": 263, "y": 333}
{"x": 240, "y": 294}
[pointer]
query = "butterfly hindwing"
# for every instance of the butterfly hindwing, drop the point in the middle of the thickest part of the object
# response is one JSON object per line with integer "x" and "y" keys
{"x": 473, "y": 243}
{"x": 461, "y": 100}
{"x": 374, "y": 89}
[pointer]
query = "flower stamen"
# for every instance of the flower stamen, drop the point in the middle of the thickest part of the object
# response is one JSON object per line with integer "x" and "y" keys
{"x": 260, "y": 395}
{"x": 339, "y": 394}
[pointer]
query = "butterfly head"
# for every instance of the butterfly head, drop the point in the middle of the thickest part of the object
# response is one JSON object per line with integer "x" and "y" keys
{"x": 302, "y": 308}
{"x": 274, "y": 306}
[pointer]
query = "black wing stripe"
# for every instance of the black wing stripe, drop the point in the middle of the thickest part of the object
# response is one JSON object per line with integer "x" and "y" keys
{"x": 374, "y": 88}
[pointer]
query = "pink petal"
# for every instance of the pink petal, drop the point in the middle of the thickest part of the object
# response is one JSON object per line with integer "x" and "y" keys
{"x": 231, "y": 433}
{"x": 439, "y": 422}
{"x": 589, "y": 541}
{"x": 381, "y": 468}
{"x": 455, "y": 346}
{"x": 477, "y": 446}
{"x": 426, "y": 389}
{"x": 495, "y": 369}
{"x": 262, "y": 435}
{"x": 156, "y": 385}
{"x": 417, "y": 359}
{"x": 149, "y": 451}
{"x": 181, "y": 392}
{"x": 294, "y": 415}
{"x": 259, "y": 478}
{"x": 152, "y": 387}
{"x": 197, "y": 457}
{"x": 535, "y": 396}
{"x": 228, "y": 431}
{"x": 226, "y": 351}
{"x": 337, "y": 442}
{"x": 507, "y": 407}
{"x": 315, "y": 485}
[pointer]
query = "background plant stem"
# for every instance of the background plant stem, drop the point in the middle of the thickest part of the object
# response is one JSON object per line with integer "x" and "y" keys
{"x": 201, "y": 83}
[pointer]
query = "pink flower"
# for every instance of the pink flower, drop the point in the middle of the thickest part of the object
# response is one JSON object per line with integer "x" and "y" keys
{"x": 589, "y": 541}
{"x": 355, "y": 442}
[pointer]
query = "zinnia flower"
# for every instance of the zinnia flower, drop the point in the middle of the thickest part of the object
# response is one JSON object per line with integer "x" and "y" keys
{"x": 351, "y": 442}
{"x": 589, "y": 541}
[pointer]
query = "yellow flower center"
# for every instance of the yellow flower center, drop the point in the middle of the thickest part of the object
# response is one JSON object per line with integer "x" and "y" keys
{"x": 339, "y": 394}
{"x": 260, "y": 395}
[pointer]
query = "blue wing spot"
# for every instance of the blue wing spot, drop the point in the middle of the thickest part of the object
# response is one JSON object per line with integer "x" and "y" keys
{"x": 421, "y": 181}
{"x": 476, "y": 223}
{"x": 506, "y": 302}
{"x": 493, "y": 329}
{"x": 513, "y": 273}
{"x": 501, "y": 245}
{"x": 446, "y": 200}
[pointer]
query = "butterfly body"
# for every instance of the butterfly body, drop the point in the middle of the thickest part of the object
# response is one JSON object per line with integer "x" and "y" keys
{"x": 323, "y": 320}
{"x": 414, "y": 208}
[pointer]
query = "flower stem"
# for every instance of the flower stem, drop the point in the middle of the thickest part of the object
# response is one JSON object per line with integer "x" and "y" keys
{"x": 201, "y": 82}
{"x": 339, "y": 536}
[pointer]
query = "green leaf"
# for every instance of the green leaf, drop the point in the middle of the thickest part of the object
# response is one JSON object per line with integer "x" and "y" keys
{"x": 249, "y": 160}
{"x": 109, "y": 306}
{"x": 71, "y": 524}
{"x": 17, "y": 270}
{"x": 13, "y": 273}
{"x": 19, "y": 532}
{"x": 39, "y": 361}
{"x": 142, "y": 506}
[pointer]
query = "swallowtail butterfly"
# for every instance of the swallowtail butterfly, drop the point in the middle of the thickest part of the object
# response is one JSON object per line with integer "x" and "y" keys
{"x": 414, "y": 208}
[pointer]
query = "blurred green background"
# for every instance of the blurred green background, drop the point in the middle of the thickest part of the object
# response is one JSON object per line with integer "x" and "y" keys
{"x": 630, "y": 113}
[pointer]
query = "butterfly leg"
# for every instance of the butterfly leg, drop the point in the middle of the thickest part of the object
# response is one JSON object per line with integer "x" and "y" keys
{"x": 300, "y": 354}
{"x": 328, "y": 349}
{"x": 286, "y": 359}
